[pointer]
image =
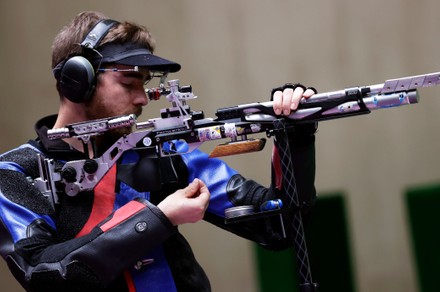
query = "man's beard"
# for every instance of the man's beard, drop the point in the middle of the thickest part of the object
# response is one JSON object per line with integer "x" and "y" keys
{"x": 96, "y": 110}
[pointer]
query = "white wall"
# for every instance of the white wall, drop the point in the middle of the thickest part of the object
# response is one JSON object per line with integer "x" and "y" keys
{"x": 234, "y": 52}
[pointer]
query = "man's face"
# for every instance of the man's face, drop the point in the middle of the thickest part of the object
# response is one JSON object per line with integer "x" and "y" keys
{"x": 118, "y": 93}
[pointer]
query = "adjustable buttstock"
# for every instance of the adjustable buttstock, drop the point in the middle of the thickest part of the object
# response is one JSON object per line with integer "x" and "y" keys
{"x": 238, "y": 147}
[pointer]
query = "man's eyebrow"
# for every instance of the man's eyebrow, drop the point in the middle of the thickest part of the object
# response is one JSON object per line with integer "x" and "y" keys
{"x": 137, "y": 75}
{"x": 132, "y": 74}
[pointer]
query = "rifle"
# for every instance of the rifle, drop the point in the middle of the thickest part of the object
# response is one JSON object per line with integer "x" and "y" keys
{"x": 236, "y": 123}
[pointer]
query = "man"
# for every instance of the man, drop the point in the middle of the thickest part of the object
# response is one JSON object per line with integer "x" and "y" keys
{"x": 122, "y": 235}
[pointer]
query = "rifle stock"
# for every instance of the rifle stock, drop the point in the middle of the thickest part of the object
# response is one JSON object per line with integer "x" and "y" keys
{"x": 239, "y": 147}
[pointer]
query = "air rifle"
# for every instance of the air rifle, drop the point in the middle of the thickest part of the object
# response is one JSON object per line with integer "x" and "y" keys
{"x": 236, "y": 123}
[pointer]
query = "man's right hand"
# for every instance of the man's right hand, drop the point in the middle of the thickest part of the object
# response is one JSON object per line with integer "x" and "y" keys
{"x": 186, "y": 205}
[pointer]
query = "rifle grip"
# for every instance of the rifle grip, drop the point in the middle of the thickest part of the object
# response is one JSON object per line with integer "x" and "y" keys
{"x": 238, "y": 147}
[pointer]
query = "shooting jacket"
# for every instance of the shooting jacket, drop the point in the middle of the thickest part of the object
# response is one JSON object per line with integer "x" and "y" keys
{"x": 114, "y": 238}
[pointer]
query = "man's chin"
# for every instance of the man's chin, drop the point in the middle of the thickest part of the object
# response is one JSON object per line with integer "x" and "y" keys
{"x": 138, "y": 112}
{"x": 119, "y": 132}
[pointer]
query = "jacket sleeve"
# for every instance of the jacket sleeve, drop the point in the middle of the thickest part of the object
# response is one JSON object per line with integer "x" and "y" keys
{"x": 230, "y": 189}
{"x": 28, "y": 239}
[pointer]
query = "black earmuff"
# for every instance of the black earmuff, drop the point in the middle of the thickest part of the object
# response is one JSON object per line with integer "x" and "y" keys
{"x": 77, "y": 77}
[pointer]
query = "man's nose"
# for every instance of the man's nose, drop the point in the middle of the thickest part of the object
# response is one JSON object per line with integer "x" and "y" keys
{"x": 141, "y": 98}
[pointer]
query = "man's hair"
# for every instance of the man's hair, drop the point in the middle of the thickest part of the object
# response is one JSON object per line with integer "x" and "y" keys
{"x": 67, "y": 43}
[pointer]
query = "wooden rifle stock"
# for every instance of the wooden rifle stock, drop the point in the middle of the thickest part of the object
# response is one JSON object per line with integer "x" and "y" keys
{"x": 238, "y": 147}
